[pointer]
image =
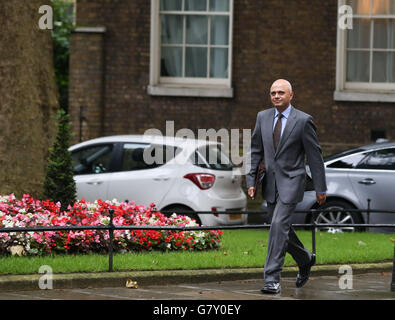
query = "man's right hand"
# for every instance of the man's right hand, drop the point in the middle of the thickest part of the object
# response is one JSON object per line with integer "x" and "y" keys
{"x": 251, "y": 191}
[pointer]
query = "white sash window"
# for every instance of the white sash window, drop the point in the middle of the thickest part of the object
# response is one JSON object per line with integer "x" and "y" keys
{"x": 191, "y": 47}
{"x": 366, "y": 53}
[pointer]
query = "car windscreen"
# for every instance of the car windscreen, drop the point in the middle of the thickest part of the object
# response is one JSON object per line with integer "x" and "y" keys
{"x": 212, "y": 157}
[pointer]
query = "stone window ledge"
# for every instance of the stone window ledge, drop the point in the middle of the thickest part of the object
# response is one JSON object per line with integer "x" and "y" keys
{"x": 89, "y": 30}
{"x": 190, "y": 91}
{"x": 363, "y": 96}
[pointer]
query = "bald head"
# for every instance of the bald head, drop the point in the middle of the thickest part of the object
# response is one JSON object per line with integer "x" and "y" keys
{"x": 281, "y": 94}
{"x": 283, "y": 82}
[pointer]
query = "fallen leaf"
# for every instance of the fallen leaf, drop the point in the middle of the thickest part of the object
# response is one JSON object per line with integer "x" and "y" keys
{"x": 131, "y": 284}
{"x": 393, "y": 240}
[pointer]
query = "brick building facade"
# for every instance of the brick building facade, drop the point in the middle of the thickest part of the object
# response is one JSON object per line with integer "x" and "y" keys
{"x": 110, "y": 60}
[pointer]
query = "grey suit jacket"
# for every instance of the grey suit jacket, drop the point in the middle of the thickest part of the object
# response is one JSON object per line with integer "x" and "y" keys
{"x": 285, "y": 168}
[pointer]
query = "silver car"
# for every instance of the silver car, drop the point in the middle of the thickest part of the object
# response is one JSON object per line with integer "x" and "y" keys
{"x": 353, "y": 177}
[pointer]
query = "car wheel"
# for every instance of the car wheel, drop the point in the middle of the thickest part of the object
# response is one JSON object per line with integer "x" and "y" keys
{"x": 333, "y": 215}
{"x": 183, "y": 211}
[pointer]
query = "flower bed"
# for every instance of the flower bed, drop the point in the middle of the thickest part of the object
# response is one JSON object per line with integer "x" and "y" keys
{"x": 29, "y": 212}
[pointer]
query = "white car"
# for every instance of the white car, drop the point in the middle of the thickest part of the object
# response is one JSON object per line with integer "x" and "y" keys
{"x": 176, "y": 174}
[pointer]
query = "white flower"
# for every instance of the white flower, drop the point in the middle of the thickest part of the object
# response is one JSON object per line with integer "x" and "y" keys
{"x": 105, "y": 220}
{"x": 32, "y": 251}
{"x": 91, "y": 206}
{"x": 199, "y": 234}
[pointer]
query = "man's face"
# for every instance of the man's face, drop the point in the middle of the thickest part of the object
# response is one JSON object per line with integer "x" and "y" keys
{"x": 280, "y": 95}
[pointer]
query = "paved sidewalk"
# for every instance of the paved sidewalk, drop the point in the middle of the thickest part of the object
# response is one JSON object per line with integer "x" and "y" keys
{"x": 163, "y": 277}
{"x": 370, "y": 281}
{"x": 368, "y": 286}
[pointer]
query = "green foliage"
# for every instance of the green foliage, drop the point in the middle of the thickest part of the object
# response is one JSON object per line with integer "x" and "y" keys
{"x": 63, "y": 23}
{"x": 239, "y": 249}
{"x": 59, "y": 184}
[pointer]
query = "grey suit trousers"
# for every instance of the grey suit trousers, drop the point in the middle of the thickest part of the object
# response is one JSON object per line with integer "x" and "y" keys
{"x": 282, "y": 239}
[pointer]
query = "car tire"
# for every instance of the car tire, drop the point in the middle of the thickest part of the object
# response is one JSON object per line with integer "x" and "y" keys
{"x": 336, "y": 217}
{"x": 184, "y": 211}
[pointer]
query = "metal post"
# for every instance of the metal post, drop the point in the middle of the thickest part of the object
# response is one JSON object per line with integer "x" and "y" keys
{"x": 110, "y": 244}
{"x": 81, "y": 119}
{"x": 393, "y": 273}
{"x": 313, "y": 237}
{"x": 368, "y": 212}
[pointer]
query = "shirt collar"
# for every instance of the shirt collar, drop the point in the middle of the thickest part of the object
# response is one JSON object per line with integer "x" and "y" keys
{"x": 285, "y": 113}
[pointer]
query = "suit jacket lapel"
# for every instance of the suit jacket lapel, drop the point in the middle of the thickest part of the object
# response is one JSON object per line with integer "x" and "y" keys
{"x": 291, "y": 122}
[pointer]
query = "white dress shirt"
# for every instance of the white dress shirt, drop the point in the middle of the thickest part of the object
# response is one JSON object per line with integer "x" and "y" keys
{"x": 283, "y": 119}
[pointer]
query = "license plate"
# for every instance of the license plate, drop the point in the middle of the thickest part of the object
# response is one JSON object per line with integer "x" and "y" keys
{"x": 234, "y": 216}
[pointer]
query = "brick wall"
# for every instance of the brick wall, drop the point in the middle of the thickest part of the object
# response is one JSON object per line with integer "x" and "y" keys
{"x": 87, "y": 89}
{"x": 272, "y": 39}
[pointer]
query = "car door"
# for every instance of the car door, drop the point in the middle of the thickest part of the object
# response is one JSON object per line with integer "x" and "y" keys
{"x": 374, "y": 178}
{"x": 92, "y": 171}
{"x": 135, "y": 180}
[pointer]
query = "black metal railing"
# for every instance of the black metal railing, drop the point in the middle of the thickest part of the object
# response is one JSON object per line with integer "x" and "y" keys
{"x": 313, "y": 226}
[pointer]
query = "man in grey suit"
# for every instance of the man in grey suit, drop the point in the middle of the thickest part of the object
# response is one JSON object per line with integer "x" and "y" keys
{"x": 282, "y": 138}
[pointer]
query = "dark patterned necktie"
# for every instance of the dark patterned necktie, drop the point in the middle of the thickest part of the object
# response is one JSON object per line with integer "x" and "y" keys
{"x": 277, "y": 131}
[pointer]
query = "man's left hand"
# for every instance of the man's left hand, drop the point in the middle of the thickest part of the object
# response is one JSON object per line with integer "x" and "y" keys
{"x": 321, "y": 198}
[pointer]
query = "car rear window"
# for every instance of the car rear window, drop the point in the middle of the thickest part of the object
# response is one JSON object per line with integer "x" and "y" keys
{"x": 380, "y": 159}
{"x": 212, "y": 157}
{"x": 144, "y": 156}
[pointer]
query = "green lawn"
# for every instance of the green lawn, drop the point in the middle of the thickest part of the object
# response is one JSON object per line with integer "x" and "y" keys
{"x": 240, "y": 248}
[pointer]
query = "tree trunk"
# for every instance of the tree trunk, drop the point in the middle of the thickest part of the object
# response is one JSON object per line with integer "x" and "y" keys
{"x": 28, "y": 98}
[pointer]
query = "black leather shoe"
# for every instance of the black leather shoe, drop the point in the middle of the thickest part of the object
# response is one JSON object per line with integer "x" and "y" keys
{"x": 271, "y": 287}
{"x": 304, "y": 273}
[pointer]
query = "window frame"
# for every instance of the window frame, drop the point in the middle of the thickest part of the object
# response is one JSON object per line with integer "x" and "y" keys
{"x": 360, "y": 91}
{"x": 186, "y": 86}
